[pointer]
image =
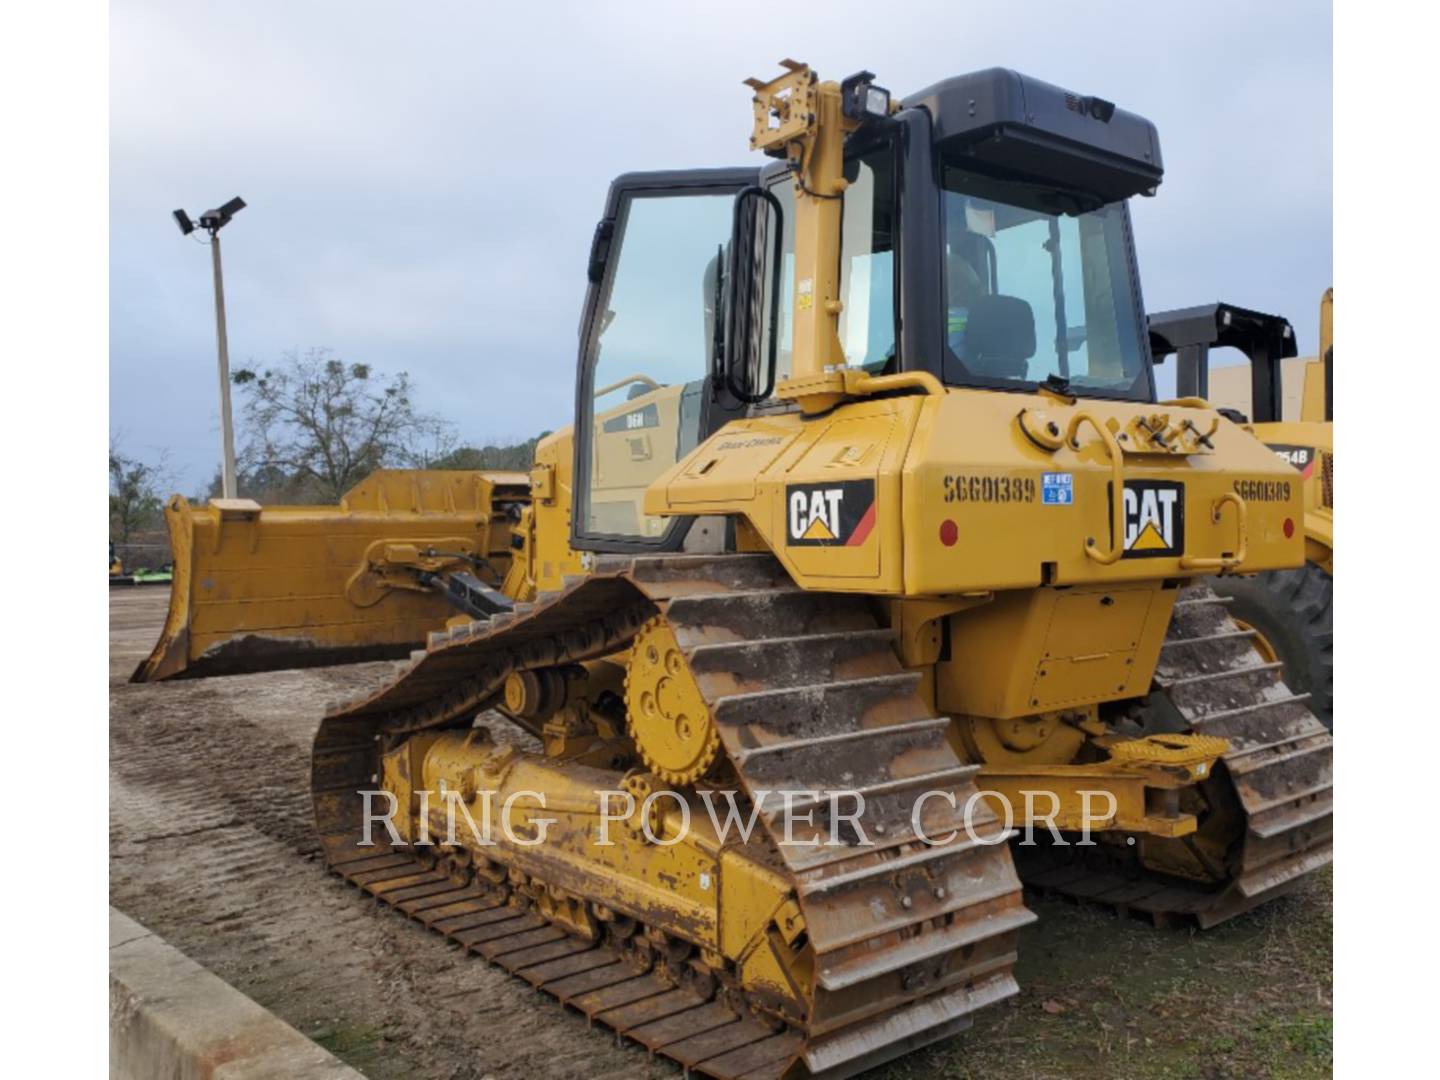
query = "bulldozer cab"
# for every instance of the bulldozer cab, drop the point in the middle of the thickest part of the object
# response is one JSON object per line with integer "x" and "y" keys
{"x": 1028, "y": 294}
{"x": 984, "y": 240}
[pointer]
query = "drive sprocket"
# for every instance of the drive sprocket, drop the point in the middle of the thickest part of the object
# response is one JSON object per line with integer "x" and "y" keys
{"x": 668, "y": 718}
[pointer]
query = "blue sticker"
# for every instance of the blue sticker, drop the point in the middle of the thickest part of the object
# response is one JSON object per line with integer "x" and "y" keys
{"x": 1057, "y": 488}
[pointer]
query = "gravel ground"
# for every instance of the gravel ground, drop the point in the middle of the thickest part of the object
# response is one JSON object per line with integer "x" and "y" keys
{"x": 211, "y": 847}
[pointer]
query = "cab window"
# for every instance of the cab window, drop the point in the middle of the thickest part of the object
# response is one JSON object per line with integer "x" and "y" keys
{"x": 648, "y": 353}
{"x": 1032, "y": 294}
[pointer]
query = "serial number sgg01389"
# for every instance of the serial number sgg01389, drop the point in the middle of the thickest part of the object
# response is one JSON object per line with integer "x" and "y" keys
{"x": 990, "y": 489}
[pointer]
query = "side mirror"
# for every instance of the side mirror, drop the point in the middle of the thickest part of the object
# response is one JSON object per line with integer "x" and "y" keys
{"x": 743, "y": 292}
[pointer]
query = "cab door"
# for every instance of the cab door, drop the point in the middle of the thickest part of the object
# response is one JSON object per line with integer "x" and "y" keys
{"x": 644, "y": 391}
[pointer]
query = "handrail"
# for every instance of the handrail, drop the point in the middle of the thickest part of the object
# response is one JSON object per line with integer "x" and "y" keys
{"x": 921, "y": 380}
{"x": 1117, "y": 490}
{"x": 637, "y": 378}
{"x": 1224, "y": 562}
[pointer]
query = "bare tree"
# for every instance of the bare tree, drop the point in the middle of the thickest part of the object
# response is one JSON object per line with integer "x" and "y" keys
{"x": 434, "y": 442}
{"x": 327, "y": 424}
{"x": 137, "y": 492}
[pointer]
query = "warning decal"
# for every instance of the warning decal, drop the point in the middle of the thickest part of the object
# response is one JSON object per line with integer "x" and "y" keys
{"x": 1154, "y": 519}
{"x": 829, "y": 515}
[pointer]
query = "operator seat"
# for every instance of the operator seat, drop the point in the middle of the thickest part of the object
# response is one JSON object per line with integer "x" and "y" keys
{"x": 1000, "y": 337}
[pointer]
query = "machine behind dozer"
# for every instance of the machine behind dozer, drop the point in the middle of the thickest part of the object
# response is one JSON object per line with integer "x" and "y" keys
{"x": 888, "y": 552}
{"x": 260, "y": 588}
{"x": 1288, "y": 611}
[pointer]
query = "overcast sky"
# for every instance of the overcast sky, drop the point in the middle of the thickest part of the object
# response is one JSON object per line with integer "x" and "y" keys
{"x": 423, "y": 178}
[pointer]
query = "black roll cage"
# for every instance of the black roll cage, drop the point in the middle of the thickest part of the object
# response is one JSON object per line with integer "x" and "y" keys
{"x": 1190, "y": 333}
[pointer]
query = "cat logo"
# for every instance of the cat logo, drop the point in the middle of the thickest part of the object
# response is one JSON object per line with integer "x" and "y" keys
{"x": 1154, "y": 519}
{"x": 830, "y": 515}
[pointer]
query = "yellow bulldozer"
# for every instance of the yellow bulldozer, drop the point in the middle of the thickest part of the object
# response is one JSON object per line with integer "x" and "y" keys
{"x": 870, "y": 534}
{"x": 1288, "y": 610}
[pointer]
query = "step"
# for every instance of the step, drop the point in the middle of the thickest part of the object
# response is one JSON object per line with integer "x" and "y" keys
{"x": 752, "y": 719}
{"x": 716, "y": 618}
{"x": 777, "y": 663}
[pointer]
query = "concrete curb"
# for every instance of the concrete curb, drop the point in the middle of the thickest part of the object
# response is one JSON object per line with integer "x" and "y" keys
{"x": 170, "y": 1017}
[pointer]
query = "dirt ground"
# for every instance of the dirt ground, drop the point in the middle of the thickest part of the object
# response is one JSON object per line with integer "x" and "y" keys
{"x": 211, "y": 847}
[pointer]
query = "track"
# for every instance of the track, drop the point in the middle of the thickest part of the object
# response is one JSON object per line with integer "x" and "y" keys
{"x": 908, "y": 940}
{"x": 1278, "y": 775}
{"x": 807, "y": 693}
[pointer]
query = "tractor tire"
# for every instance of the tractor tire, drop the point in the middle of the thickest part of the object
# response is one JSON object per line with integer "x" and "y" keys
{"x": 1291, "y": 611}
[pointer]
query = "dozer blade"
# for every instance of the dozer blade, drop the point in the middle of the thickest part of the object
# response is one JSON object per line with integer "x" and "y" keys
{"x": 264, "y": 588}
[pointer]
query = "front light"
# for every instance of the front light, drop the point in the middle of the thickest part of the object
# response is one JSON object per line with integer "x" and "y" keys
{"x": 861, "y": 100}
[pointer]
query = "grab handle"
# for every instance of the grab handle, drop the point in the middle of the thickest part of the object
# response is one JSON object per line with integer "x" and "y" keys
{"x": 1224, "y": 562}
{"x": 1105, "y": 556}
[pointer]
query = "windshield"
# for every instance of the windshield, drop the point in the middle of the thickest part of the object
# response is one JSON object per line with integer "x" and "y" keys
{"x": 1031, "y": 294}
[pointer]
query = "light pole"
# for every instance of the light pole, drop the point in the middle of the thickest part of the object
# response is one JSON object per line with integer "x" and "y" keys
{"x": 212, "y": 221}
